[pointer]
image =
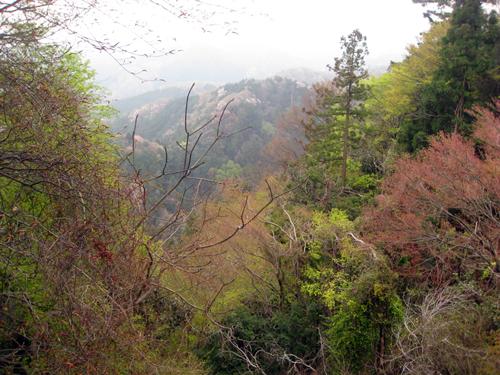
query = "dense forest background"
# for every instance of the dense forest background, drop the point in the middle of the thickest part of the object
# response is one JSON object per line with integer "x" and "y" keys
{"x": 349, "y": 225}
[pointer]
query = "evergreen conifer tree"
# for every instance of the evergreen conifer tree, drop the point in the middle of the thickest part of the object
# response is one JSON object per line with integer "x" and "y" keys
{"x": 331, "y": 133}
{"x": 468, "y": 74}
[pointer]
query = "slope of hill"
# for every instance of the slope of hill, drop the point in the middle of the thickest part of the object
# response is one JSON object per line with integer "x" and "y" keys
{"x": 253, "y": 105}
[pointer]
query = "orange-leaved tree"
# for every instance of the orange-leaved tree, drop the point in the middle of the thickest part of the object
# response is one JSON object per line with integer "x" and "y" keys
{"x": 438, "y": 216}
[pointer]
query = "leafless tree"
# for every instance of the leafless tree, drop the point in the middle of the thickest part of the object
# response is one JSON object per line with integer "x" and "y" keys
{"x": 433, "y": 337}
{"x": 81, "y": 274}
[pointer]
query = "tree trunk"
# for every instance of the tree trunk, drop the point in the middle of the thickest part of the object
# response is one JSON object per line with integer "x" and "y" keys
{"x": 346, "y": 138}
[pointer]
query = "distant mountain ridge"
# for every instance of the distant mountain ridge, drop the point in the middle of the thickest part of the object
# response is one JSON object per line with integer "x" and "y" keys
{"x": 170, "y": 91}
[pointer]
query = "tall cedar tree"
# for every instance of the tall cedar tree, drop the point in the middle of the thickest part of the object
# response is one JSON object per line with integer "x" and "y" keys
{"x": 340, "y": 105}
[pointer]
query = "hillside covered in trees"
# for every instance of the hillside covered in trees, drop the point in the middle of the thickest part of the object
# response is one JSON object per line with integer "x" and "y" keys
{"x": 251, "y": 108}
{"x": 267, "y": 226}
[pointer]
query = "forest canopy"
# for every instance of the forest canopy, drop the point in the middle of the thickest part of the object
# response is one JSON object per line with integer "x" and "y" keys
{"x": 263, "y": 227}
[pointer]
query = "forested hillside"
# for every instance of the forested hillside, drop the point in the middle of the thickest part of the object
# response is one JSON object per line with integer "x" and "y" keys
{"x": 262, "y": 227}
{"x": 251, "y": 108}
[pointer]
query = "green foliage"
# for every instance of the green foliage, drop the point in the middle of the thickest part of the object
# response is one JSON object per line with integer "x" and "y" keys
{"x": 323, "y": 190}
{"x": 366, "y": 307}
{"x": 396, "y": 100}
{"x": 358, "y": 289}
{"x": 397, "y": 93}
{"x": 260, "y": 338}
{"x": 332, "y": 132}
{"x": 267, "y": 132}
{"x": 467, "y": 75}
{"x": 230, "y": 170}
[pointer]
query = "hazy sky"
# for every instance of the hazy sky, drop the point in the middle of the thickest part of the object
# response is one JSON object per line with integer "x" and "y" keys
{"x": 311, "y": 29}
{"x": 293, "y": 34}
